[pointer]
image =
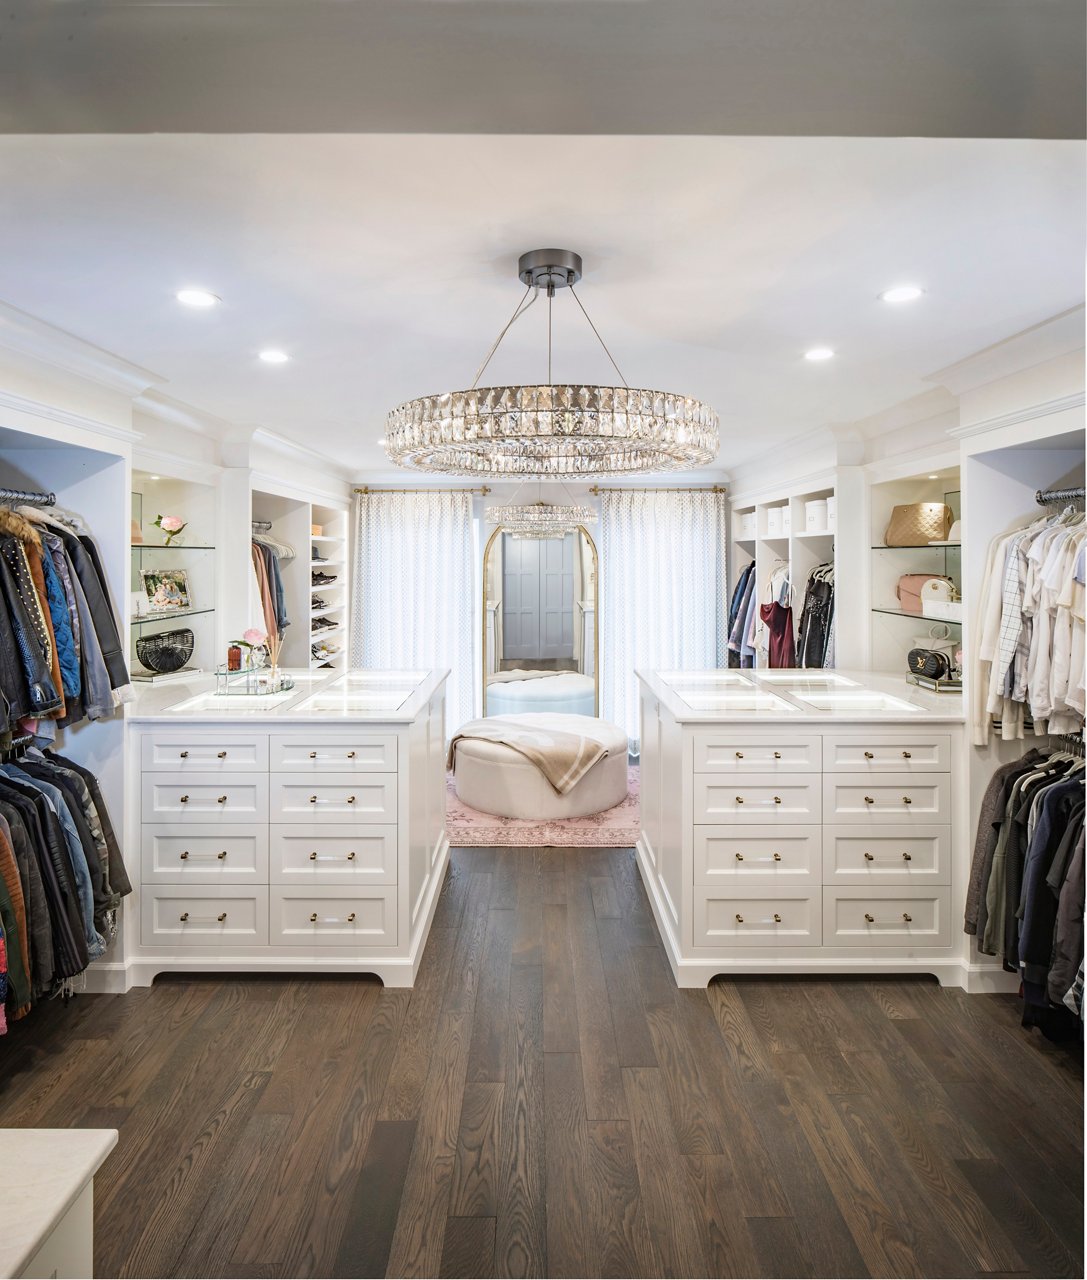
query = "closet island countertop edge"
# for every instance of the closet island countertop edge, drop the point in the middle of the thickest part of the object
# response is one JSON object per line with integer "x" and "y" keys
{"x": 51, "y": 1167}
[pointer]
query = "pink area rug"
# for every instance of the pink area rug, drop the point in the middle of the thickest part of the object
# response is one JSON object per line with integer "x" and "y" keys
{"x": 616, "y": 828}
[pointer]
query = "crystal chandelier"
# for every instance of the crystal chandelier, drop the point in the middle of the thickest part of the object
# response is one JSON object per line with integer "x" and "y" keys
{"x": 551, "y": 429}
{"x": 540, "y": 519}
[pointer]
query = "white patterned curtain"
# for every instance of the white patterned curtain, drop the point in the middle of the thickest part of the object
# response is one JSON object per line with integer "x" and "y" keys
{"x": 664, "y": 596}
{"x": 413, "y": 600}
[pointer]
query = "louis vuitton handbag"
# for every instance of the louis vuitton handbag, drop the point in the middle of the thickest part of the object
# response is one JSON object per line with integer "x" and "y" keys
{"x": 918, "y": 523}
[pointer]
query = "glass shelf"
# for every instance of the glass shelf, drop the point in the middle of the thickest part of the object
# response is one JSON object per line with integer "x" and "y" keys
{"x": 142, "y": 619}
{"x": 922, "y": 546}
{"x": 178, "y": 546}
{"x": 919, "y": 617}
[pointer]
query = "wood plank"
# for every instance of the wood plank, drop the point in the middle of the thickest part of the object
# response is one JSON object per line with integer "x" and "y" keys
{"x": 566, "y": 1146}
{"x": 487, "y": 1059}
{"x": 632, "y": 1039}
{"x": 730, "y": 1248}
{"x": 467, "y": 961}
{"x": 474, "y": 1192}
{"x": 521, "y": 1230}
{"x": 370, "y": 1221}
{"x": 468, "y": 1248}
{"x": 605, "y": 899}
{"x": 782, "y": 1251}
{"x": 560, "y": 1022}
{"x": 743, "y": 1047}
{"x": 528, "y": 919}
{"x": 619, "y": 1239}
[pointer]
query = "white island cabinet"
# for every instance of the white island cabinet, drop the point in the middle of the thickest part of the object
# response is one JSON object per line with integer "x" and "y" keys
{"x": 300, "y": 832}
{"x": 805, "y": 822}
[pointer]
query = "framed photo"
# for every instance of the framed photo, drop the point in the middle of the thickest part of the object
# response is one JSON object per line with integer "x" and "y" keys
{"x": 167, "y": 590}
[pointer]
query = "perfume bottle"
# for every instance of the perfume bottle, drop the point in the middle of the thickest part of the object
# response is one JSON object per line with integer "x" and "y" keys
{"x": 234, "y": 658}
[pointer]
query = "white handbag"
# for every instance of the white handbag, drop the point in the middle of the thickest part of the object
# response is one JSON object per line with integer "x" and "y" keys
{"x": 940, "y": 600}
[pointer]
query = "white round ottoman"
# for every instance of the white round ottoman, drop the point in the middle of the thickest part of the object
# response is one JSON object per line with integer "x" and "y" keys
{"x": 494, "y": 778}
{"x": 569, "y": 692}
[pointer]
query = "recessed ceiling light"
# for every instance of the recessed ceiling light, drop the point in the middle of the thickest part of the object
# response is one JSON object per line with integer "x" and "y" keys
{"x": 934, "y": 477}
{"x": 382, "y": 441}
{"x": 200, "y": 298}
{"x": 819, "y": 353}
{"x": 272, "y": 356}
{"x": 156, "y": 477}
{"x": 902, "y": 293}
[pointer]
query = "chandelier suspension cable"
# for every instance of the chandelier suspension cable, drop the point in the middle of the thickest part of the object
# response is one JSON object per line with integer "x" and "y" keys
{"x": 599, "y": 339}
{"x": 518, "y": 312}
{"x": 550, "y": 300}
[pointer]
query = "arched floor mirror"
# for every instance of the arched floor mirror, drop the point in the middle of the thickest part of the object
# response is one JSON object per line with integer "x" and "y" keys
{"x": 541, "y": 627}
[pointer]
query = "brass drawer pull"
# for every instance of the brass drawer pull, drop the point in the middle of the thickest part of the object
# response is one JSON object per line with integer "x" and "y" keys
{"x": 739, "y": 799}
{"x": 907, "y": 857}
{"x": 869, "y": 857}
{"x": 906, "y": 800}
{"x": 313, "y": 755}
{"x": 184, "y": 755}
{"x": 907, "y": 755}
{"x": 777, "y": 918}
{"x": 777, "y": 755}
{"x": 350, "y": 799}
{"x": 183, "y": 799}
{"x": 218, "y": 857}
{"x": 739, "y": 755}
{"x": 869, "y": 800}
{"x": 739, "y": 919}
{"x": 331, "y": 919}
{"x": 330, "y": 857}
{"x": 185, "y": 918}
{"x": 777, "y": 799}
{"x": 313, "y": 799}
{"x": 351, "y": 755}
{"x": 870, "y": 919}
{"x": 777, "y": 857}
{"x": 221, "y": 755}
{"x": 221, "y": 800}
{"x": 739, "y": 857}
{"x": 868, "y": 755}
{"x": 906, "y": 916}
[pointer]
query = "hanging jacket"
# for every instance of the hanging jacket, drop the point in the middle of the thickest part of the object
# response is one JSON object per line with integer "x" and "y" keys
{"x": 39, "y": 929}
{"x": 28, "y": 627}
{"x": 102, "y": 610}
{"x": 118, "y": 873}
{"x": 67, "y": 656}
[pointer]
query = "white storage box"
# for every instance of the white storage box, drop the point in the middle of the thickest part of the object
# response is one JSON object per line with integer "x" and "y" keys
{"x": 773, "y": 522}
{"x": 747, "y": 525}
{"x": 832, "y": 514}
{"x": 815, "y": 516}
{"x": 786, "y": 520}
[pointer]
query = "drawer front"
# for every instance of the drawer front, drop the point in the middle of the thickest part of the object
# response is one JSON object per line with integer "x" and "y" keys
{"x": 904, "y": 752}
{"x": 205, "y": 855}
{"x": 736, "y": 856}
{"x": 899, "y": 797}
{"x": 887, "y": 917}
{"x": 309, "y": 752}
{"x": 728, "y": 751}
{"x": 334, "y": 798}
{"x": 210, "y": 917}
{"x": 204, "y": 798}
{"x": 333, "y": 918}
{"x": 330, "y": 854}
{"x": 893, "y": 854}
{"x": 756, "y": 798}
{"x": 771, "y": 920}
{"x": 210, "y": 753}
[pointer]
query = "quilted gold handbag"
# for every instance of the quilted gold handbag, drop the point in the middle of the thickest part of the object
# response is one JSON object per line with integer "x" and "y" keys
{"x": 918, "y": 523}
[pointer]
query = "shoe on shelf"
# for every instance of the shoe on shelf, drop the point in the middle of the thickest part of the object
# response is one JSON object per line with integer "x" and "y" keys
{"x": 320, "y": 579}
{"x": 315, "y": 554}
{"x": 317, "y": 603}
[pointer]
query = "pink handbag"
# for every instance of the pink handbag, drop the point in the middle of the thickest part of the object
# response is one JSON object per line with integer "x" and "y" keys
{"x": 909, "y": 590}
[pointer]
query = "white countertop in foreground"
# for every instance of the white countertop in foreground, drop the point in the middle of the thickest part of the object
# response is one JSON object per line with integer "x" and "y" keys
{"x": 47, "y": 1170}
{"x": 791, "y": 697}
{"x": 381, "y": 697}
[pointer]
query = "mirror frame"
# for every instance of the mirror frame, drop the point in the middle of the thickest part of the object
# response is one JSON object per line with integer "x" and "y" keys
{"x": 596, "y": 615}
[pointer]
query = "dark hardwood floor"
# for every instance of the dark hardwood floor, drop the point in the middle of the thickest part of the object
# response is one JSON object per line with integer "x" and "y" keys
{"x": 546, "y": 1102}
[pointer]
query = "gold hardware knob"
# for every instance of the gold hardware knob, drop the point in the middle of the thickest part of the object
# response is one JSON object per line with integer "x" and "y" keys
{"x": 907, "y": 755}
{"x": 313, "y": 917}
{"x": 183, "y": 799}
{"x": 221, "y": 755}
{"x": 184, "y": 855}
{"x": 739, "y": 755}
{"x": 777, "y": 918}
{"x": 869, "y": 800}
{"x": 739, "y": 857}
{"x": 907, "y": 857}
{"x": 183, "y": 917}
{"x": 351, "y": 856}
{"x": 777, "y": 799}
{"x": 906, "y": 800}
{"x": 777, "y": 857}
{"x": 777, "y": 755}
{"x": 350, "y": 799}
{"x": 868, "y": 857}
{"x": 221, "y": 800}
{"x": 739, "y": 919}
{"x": 869, "y": 756}
{"x": 906, "y": 916}
{"x": 870, "y": 919}
{"x": 351, "y": 918}
{"x": 313, "y": 755}
{"x": 313, "y": 856}
{"x": 184, "y": 755}
{"x": 222, "y": 917}
{"x": 351, "y": 755}
{"x": 221, "y": 856}
{"x": 313, "y": 799}
{"x": 739, "y": 799}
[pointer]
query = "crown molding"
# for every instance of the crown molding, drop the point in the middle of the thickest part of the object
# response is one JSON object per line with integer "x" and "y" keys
{"x": 175, "y": 465}
{"x": 266, "y": 482}
{"x": 37, "y": 409}
{"x": 176, "y": 413}
{"x": 28, "y": 336}
{"x": 311, "y": 457}
{"x": 1059, "y": 335}
{"x": 1043, "y": 410}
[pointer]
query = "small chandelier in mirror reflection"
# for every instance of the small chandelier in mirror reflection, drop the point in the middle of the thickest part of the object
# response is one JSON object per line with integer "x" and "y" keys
{"x": 540, "y": 519}
{"x": 551, "y": 429}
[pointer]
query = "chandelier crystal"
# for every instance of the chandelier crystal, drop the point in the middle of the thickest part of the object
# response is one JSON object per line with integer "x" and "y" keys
{"x": 551, "y": 429}
{"x": 540, "y": 519}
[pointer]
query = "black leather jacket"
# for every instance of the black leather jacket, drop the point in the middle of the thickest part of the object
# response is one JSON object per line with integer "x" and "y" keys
{"x": 32, "y": 643}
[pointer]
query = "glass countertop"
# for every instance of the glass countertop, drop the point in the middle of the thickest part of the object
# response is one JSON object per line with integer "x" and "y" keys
{"x": 795, "y": 678}
{"x": 850, "y": 701}
{"x": 735, "y": 700}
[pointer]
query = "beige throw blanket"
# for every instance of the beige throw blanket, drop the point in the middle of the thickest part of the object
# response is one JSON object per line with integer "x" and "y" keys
{"x": 563, "y": 758}
{"x": 505, "y": 677}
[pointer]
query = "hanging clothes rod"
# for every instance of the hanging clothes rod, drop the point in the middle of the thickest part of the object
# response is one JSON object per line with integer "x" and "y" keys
{"x": 28, "y": 497}
{"x": 597, "y": 490}
{"x": 1048, "y": 497}
{"x": 484, "y": 490}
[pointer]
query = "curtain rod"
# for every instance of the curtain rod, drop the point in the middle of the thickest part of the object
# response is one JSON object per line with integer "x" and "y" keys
{"x": 596, "y": 489}
{"x": 366, "y": 489}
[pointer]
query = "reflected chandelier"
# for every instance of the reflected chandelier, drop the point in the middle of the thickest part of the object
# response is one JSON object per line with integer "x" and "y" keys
{"x": 553, "y": 429}
{"x": 540, "y": 519}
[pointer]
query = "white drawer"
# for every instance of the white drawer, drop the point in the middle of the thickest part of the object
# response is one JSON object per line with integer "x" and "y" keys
{"x": 771, "y": 920}
{"x": 205, "y": 854}
{"x": 726, "y": 751}
{"x": 345, "y": 855}
{"x": 757, "y": 797}
{"x": 357, "y": 753}
{"x": 887, "y": 917}
{"x": 888, "y": 797}
{"x": 210, "y": 752}
{"x": 736, "y": 856}
{"x": 204, "y": 798}
{"x": 334, "y": 797}
{"x": 906, "y": 751}
{"x": 892, "y": 855}
{"x": 333, "y": 917}
{"x": 212, "y": 917}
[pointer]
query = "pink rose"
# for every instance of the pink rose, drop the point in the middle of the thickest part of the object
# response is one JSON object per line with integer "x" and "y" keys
{"x": 254, "y": 637}
{"x": 171, "y": 524}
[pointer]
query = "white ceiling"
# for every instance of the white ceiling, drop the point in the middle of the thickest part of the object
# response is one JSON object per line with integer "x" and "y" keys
{"x": 895, "y": 68}
{"x": 386, "y": 265}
